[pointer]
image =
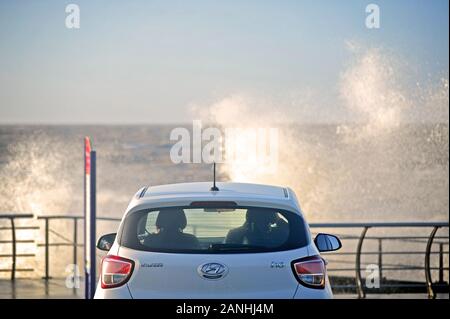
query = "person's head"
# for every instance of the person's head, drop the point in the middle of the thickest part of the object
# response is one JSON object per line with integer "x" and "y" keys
{"x": 171, "y": 220}
{"x": 260, "y": 219}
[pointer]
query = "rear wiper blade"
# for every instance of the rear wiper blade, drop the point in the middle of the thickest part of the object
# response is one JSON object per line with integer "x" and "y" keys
{"x": 235, "y": 247}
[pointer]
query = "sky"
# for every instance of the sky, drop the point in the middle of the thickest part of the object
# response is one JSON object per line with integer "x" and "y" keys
{"x": 151, "y": 61}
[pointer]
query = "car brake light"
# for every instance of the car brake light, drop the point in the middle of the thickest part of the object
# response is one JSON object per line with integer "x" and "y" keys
{"x": 310, "y": 271}
{"x": 115, "y": 271}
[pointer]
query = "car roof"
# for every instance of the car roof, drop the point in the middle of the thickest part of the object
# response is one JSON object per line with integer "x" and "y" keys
{"x": 243, "y": 194}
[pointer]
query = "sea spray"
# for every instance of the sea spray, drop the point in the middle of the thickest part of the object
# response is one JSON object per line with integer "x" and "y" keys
{"x": 355, "y": 171}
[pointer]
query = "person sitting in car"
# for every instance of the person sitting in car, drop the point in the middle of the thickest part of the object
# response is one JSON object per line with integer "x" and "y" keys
{"x": 169, "y": 235}
{"x": 261, "y": 228}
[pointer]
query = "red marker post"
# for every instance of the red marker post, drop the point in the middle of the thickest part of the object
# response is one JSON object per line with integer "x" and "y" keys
{"x": 89, "y": 219}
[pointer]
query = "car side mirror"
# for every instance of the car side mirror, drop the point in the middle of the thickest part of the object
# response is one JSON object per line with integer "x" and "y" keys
{"x": 105, "y": 242}
{"x": 326, "y": 242}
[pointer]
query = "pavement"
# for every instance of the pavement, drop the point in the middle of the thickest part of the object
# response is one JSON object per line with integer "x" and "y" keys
{"x": 38, "y": 289}
{"x": 56, "y": 289}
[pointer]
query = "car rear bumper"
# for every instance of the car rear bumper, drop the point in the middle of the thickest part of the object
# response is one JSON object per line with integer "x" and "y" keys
{"x": 121, "y": 292}
{"x": 310, "y": 293}
{"x": 301, "y": 293}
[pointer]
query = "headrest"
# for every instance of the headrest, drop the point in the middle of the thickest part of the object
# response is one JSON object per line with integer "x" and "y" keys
{"x": 171, "y": 219}
{"x": 262, "y": 216}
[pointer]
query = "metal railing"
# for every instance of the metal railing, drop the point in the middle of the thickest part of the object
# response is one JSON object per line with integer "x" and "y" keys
{"x": 435, "y": 226}
{"x": 74, "y": 243}
{"x": 67, "y": 242}
{"x": 14, "y": 241}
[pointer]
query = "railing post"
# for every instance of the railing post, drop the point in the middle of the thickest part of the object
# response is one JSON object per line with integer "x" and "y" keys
{"x": 359, "y": 284}
{"x": 14, "y": 252}
{"x": 47, "y": 257}
{"x": 441, "y": 263}
{"x": 380, "y": 258}
{"x": 75, "y": 240}
{"x": 429, "y": 282}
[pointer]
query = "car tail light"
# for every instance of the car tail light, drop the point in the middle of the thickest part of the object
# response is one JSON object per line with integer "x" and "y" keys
{"x": 310, "y": 271}
{"x": 115, "y": 271}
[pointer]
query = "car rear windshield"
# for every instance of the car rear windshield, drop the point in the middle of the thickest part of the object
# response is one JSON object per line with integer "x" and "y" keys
{"x": 214, "y": 230}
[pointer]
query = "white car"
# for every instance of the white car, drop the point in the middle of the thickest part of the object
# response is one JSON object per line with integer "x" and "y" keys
{"x": 192, "y": 241}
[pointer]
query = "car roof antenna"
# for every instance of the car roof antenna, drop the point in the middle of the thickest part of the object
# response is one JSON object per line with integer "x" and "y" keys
{"x": 214, "y": 187}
